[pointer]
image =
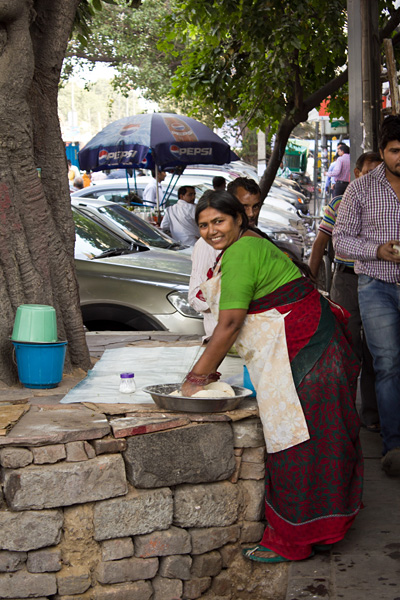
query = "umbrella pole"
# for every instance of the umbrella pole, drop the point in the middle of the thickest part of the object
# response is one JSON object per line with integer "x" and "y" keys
{"x": 157, "y": 198}
{"x": 127, "y": 183}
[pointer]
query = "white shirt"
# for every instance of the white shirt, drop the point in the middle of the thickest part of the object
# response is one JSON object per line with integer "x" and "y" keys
{"x": 180, "y": 222}
{"x": 150, "y": 193}
{"x": 98, "y": 176}
{"x": 203, "y": 259}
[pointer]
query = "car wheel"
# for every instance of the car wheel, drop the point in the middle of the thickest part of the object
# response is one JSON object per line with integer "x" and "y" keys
{"x": 107, "y": 317}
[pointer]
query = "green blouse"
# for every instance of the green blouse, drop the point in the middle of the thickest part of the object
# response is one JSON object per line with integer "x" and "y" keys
{"x": 251, "y": 268}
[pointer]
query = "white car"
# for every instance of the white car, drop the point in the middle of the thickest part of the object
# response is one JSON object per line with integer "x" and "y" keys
{"x": 116, "y": 190}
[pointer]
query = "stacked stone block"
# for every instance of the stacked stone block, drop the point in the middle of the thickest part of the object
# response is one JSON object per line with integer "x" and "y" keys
{"x": 156, "y": 516}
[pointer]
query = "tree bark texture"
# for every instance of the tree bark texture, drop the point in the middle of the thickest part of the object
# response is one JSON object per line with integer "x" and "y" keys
{"x": 36, "y": 225}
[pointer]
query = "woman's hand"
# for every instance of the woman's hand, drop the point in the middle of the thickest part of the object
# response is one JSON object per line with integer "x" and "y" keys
{"x": 188, "y": 389}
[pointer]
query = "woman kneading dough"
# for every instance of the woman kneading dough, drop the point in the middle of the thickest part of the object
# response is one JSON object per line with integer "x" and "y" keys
{"x": 305, "y": 375}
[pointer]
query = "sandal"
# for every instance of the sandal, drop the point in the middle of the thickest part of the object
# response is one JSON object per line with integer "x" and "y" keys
{"x": 250, "y": 553}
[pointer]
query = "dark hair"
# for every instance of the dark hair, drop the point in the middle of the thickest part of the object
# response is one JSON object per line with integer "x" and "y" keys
{"x": 78, "y": 183}
{"x": 219, "y": 182}
{"x": 367, "y": 157}
{"x": 223, "y": 201}
{"x": 153, "y": 172}
{"x": 247, "y": 183}
{"x": 390, "y": 131}
{"x": 344, "y": 147}
{"x": 183, "y": 189}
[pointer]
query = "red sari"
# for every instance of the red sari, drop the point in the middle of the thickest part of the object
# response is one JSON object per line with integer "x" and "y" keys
{"x": 313, "y": 490}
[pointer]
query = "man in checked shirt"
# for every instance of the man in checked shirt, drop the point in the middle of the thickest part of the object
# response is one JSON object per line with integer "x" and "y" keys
{"x": 368, "y": 230}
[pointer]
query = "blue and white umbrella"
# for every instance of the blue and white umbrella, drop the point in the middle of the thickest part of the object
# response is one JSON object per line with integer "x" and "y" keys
{"x": 154, "y": 141}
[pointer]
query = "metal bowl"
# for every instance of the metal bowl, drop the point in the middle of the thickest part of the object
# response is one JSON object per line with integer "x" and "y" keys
{"x": 160, "y": 395}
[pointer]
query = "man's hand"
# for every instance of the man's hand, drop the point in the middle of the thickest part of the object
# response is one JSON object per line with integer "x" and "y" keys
{"x": 388, "y": 252}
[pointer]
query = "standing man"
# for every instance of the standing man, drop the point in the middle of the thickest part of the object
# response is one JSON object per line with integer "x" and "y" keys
{"x": 330, "y": 181}
{"x": 150, "y": 191}
{"x": 341, "y": 170}
{"x": 368, "y": 230}
{"x": 344, "y": 292}
{"x": 179, "y": 219}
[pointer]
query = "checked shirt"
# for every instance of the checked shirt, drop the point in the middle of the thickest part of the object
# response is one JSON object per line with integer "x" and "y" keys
{"x": 368, "y": 216}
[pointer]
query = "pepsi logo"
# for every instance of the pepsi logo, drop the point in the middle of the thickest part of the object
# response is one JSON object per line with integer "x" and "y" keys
{"x": 178, "y": 127}
{"x": 130, "y": 128}
{"x": 103, "y": 154}
{"x": 177, "y": 150}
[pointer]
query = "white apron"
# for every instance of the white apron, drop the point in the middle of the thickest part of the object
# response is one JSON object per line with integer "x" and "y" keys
{"x": 262, "y": 345}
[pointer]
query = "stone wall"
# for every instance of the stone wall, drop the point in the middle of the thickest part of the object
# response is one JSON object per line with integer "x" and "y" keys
{"x": 159, "y": 516}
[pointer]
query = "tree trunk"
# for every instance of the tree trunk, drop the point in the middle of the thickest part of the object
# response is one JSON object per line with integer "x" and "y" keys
{"x": 285, "y": 129}
{"x": 290, "y": 121}
{"x": 36, "y": 225}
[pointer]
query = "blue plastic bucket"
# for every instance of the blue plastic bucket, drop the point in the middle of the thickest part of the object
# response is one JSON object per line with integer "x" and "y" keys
{"x": 40, "y": 366}
{"x": 247, "y": 381}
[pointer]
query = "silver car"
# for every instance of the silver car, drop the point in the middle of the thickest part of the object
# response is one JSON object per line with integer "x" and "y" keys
{"x": 125, "y": 287}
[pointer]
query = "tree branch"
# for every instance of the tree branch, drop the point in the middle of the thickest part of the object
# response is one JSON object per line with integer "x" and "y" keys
{"x": 96, "y": 58}
{"x": 327, "y": 90}
{"x": 390, "y": 25}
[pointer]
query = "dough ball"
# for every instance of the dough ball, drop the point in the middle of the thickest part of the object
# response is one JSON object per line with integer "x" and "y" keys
{"x": 221, "y": 386}
{"x": 207, "y": 393}
{"x": 175, "y": 393}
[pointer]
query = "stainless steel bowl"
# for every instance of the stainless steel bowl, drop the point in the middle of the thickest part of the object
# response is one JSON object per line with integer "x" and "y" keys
{"x": 160, "y": 395}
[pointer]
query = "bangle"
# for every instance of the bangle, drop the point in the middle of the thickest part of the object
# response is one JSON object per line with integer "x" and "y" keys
{"x": 198, "y": 379}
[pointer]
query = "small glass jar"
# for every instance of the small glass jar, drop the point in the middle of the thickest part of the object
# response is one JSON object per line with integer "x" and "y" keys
{"x": 127, "y": 385}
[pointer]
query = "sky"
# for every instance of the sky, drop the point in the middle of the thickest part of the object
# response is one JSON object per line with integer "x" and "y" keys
{"x": 100, "y": 71}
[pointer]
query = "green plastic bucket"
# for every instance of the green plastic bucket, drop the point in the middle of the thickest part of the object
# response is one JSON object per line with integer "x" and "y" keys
{"x": 35, "y": 323}
{"x": 40, "y": 366}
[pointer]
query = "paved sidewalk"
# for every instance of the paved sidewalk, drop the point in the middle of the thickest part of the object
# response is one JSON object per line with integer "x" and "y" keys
{"x": 366, "y": 564}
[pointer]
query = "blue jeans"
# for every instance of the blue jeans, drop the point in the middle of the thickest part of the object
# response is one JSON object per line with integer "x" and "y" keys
{"x": 380, "y": 312}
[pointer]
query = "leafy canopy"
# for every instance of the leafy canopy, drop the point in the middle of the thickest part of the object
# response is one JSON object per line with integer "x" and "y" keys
{"x": 124, "y": 34}
{"x": 257, "y": 59}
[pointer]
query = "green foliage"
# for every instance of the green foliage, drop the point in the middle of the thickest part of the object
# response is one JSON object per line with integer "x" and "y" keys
{"x": 126, "y": 38}
{"x": 86, "y": 12}
{"x": 256, "y": 60}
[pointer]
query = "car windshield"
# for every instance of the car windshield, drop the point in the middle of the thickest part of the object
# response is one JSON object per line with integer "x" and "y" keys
{"x": 93, "y": 240}
{"x": 137, "y": 228}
